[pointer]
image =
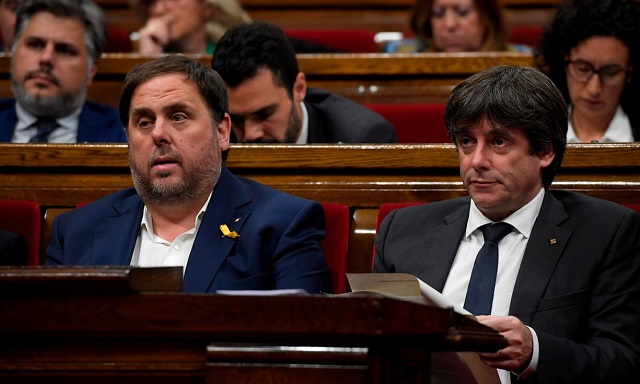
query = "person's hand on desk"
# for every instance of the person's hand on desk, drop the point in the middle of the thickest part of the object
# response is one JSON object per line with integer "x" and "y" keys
{"x": 517, "y": 355}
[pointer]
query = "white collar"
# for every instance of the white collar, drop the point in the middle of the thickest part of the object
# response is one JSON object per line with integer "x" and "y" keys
{"x": 304, "y": 130}
{"x": 26, "y": 120}
{"x": 522, "y": 219}
{"x": 619, "y": 129}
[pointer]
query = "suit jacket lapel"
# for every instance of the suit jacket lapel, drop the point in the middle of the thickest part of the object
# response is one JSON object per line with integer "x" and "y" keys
{"x": 116, "y": 234}
{"x": 88, "y": 129}
{"x": 315, "y": 132}
{"x": 228, "y": 205}
{"x": 8, "y": 119}
{"x": 442, "y": 244}
{"x": 543, "y": 251}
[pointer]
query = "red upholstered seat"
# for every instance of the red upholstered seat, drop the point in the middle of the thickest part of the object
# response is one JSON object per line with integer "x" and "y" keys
{"x": 635, "y": 207}
{"x": 345, "y": 40}
{"x": 525, "y": 35}
{"x": 23, "y": 217}
{"x": 117, "y": 40}
{"x": 336, "y": 243}
{"x": 415, "y": 123}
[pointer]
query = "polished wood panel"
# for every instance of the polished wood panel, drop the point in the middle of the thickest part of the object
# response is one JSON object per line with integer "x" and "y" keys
{"x": 366, "y": 78}
{"x": 71, "y": 334}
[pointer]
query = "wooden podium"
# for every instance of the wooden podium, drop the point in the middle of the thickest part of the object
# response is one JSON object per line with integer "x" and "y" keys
{"x": 133, "y": 325}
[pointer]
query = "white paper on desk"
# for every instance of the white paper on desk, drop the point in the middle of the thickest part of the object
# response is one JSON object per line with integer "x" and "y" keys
{"x": 401, "y": 286}
{"x": 266, "y": 292}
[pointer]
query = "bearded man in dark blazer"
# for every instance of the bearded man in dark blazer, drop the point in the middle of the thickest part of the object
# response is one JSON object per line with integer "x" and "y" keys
{"x": 566, "y": 294}
{"x": 54, "y": 58}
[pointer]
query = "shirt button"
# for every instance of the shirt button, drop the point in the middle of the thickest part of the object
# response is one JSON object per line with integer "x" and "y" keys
{"x": 177, "y": 247}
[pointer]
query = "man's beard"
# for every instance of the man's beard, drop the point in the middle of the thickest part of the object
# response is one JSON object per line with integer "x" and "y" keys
{"x": 197, "y": 180}
{"x": 294, "y": 126}
{"x": 59, "y": 105}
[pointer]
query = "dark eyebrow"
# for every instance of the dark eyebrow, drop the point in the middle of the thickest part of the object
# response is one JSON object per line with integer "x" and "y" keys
{"x": 264, "y": 110}
{"x": 140, "y": 111}
{"x": 168, "y": 109}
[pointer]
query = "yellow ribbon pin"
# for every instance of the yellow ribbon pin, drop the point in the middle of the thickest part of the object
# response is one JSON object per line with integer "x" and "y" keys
{"x": 226, "y": 232}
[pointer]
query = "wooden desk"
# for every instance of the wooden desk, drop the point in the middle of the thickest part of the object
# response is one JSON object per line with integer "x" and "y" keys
{"x": 360, "y": 176}
{"x": 366, "y": 78}
{"x": 79, "y": 335}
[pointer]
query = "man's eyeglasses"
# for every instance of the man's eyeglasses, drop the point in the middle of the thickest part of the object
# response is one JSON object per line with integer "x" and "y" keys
{"x": 582, "y": 70}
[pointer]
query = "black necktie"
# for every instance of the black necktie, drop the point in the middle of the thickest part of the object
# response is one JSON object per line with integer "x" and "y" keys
{"x": 483, "y": 277}
{"x": 45, "y": 127}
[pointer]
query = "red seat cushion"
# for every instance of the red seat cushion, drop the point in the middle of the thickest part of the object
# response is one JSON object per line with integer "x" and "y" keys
{"x": 525, "y": 35}
{"x": 344, "y": 40}
{"x": 335, "y": 245}
{"x": 415, "y": 123}
{"x": 23, "y": 217}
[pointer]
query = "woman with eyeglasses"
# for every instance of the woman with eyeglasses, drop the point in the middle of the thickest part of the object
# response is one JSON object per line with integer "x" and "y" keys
{"x": 591, "y": 50}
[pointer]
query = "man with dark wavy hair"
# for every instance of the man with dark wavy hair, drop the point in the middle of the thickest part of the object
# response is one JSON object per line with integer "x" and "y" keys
{"x": 557, "y": 273}
{"x": 269, "y": 101}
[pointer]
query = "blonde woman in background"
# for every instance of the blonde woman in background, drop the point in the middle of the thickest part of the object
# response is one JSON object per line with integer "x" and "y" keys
{"x": 185, "y": 26}
{"x": 455, "y": 26}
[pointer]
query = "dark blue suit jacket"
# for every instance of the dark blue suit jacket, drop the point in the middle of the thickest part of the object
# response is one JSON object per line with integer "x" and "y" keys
{"x": 98, "y": 123}
{"x": 578, "y": 286}
{"x": 278, "y": 248}
{"x": 13, "y": 249}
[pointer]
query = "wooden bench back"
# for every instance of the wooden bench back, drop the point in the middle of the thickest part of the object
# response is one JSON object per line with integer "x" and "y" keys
{"x": 366, "y": 78}
{"x": 58, "y": 176}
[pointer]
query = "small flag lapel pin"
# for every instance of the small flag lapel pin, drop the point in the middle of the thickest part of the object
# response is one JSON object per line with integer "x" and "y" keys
{"x": 227, "y": 233}
{"x": 553, "y": 241}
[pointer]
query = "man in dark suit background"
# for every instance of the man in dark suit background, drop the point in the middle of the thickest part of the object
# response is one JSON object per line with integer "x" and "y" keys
{"x": 13, "y": 249}
{"x": 567, "y": 290}
{"x": 54, "y": 58}
{"x": 186, "y": 208}
{"x": 269, "y": 100}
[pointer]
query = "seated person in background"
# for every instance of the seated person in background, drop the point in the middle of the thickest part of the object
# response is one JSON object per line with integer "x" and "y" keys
{"x": 7, "y": 23}
{"x": 455, "y": 26}
{"x": 563, "y": 284}
{"x": 186, "y": 208}
{"x": 186, "y": 26}
{"x": 590, "y": 50}
{"x": 195, "y": 26}
{"x": 13, "y": 249}
{"x": 54, "y": 58}
{"x": 269, "y": 101}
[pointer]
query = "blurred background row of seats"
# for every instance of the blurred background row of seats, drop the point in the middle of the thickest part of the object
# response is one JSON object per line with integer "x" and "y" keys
{"x": 338, "y": 40}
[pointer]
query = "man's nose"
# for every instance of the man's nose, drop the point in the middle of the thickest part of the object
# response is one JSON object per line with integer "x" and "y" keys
{"x": 252, "y": 131}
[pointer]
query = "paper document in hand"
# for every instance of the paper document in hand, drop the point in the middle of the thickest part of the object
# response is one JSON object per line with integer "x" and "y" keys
{"x": 402, "y": 286}
{"x": 446, "y": 367}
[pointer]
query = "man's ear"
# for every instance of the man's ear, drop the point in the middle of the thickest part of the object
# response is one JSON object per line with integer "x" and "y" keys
{"x": 223, "y": 130}
{"x": 92, "y": 73}
{"x": 299, "y": 88}
{"x": 547, "y": 158}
